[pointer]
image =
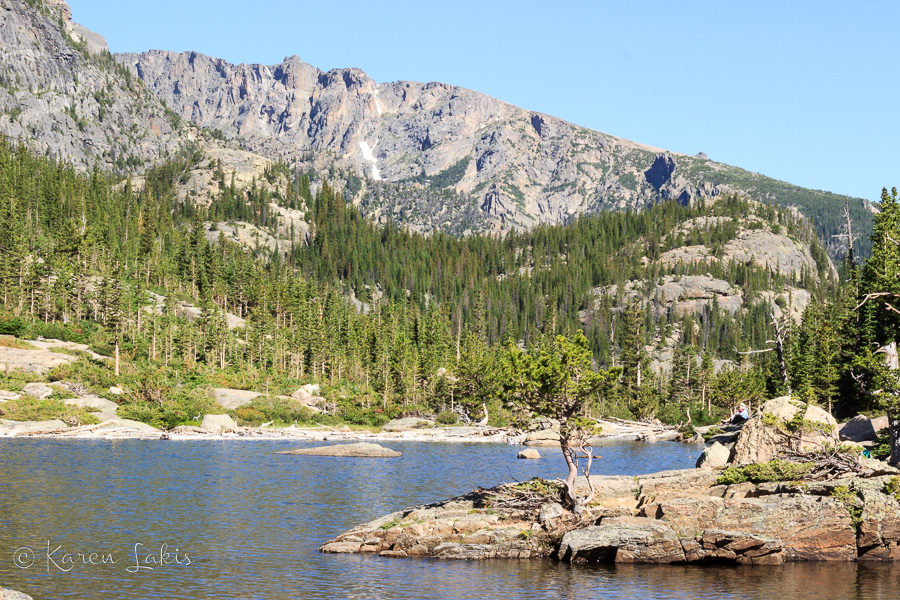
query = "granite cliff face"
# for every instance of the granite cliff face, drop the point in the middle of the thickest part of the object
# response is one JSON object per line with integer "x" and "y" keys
{"x": 429, "y": 156}
{"x": 518, "y": 168}
{"x": 61, "y": 91}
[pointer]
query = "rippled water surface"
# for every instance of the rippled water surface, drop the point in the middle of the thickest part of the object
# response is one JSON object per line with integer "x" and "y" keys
{"x": 249, "y": 521}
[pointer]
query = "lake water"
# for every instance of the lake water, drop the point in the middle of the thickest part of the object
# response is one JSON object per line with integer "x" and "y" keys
{"x": 249, "y": 522}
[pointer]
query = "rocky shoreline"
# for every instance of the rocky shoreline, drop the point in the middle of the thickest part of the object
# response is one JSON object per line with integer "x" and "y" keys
{"x": 222, "y": 427}
{"x": 789, "y": 491}
{"x": 670, "y": 517}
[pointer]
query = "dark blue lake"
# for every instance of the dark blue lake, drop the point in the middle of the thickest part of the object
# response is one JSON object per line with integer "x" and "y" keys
{"x": 249, "y": 522}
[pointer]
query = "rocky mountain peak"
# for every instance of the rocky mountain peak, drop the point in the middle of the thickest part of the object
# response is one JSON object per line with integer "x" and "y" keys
{"x": 60, "y": 89}
{"x": 491, "y": 165}
{"x": 519, "y": 168}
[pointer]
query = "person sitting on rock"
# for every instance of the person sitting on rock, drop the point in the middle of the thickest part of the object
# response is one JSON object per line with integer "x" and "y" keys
{"x": 740, "y": 415}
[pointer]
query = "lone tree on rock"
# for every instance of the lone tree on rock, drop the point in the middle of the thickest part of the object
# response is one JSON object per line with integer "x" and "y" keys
{"x": 557, "y": 381}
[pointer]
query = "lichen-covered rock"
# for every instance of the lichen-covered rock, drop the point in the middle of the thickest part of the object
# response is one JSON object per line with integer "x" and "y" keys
{"x": 810, "y": 528}
{"x": 738, "y": 546}
{"x": 674, "y": 516}
{"x": 879, "y": 522}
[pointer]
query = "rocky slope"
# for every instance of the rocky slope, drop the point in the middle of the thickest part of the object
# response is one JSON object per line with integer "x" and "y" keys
{"x": 691, "y": 273}
{"x": 61, "y": 91}
{"x": 518, "y": 167}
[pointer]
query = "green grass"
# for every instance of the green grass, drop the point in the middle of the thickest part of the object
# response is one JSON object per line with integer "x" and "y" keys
{"x": 7, "y": 341}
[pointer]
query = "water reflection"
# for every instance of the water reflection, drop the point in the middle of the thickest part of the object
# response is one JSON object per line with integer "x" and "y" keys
{"x": 252, "y": 520}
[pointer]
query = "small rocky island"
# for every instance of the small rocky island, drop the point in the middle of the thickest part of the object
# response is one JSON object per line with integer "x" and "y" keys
{"x": 790, "y": 492}
{"x": 359, "y": 450}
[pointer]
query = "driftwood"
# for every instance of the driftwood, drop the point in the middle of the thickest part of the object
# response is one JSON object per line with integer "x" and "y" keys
{"x": 637, "y": 429}
{"x": 828, "y": 464}
{"x": 529, "y": 496}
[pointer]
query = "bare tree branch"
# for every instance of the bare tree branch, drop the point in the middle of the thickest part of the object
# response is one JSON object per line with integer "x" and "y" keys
{"x": 875, "y": 295}
{"x": 754, "y": 351}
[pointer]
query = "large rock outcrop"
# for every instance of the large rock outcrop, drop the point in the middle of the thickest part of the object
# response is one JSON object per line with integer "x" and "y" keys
{"x": 670, "y": 517}
{"x": 32, "y": 361}
{"x": 784, "y": 423}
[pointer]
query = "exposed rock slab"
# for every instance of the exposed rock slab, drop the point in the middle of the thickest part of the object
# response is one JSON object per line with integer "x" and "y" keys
{"x": 360, "y": 450}
{"x": 32, "y": 361}
{"x": 232, "y": 399}
{"x": 104, "y": 407}
{"x": 8, "y": 427}
{"x": 13, "y": 595}
{"x": 51, "y": 344}
{"x": 38, "y": 390}
{"x": 407, "y": 423}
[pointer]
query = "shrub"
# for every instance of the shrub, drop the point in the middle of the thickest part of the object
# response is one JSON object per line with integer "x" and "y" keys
{"x": 273, "y": 408}
{"x": 28, "y": 408}
{"x": 774, "y": 470}
{"x": 881, "y": 449}
{"x": 892, "y": 487}
{"x": 12, "y": 326}
{"x": 446, "y": 418}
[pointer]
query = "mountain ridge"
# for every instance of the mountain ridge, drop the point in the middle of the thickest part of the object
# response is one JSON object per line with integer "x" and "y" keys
{"x": 430, "y": 156}
{"x": 519, "y": 167}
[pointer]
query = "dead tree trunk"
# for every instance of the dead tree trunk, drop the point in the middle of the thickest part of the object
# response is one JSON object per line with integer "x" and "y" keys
{"x": 892, "y": 362}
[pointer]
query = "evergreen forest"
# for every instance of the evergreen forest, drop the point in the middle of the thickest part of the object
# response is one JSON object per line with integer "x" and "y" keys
{"x": 392, "y": 322}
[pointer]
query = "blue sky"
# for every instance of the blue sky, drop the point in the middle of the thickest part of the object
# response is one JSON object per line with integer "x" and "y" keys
{"x": 807, "y": 92}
